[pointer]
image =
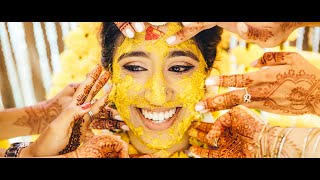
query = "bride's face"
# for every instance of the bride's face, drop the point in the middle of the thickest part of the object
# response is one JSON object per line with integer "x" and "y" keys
{"x": 157, "y": 86}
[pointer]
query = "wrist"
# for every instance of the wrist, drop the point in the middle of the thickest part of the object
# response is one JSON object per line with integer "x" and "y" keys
{"x": 17, "y": 148}
{"x": 26, "y": 152}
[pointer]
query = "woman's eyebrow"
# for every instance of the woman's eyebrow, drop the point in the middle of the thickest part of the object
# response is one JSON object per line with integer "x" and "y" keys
{"x": 183, "y": 53}
{"x": 133, "y": 54}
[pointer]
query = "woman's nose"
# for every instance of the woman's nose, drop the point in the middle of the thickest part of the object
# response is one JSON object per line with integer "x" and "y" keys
{"x": 156, "y": 90}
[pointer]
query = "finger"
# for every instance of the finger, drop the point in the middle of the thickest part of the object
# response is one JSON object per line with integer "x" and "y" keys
{"x": 202, "y": 126}
{"x": 254, "y": 34}
{"x": 273, "y": 59}
{"x": 205, "y": 153}
{"x": 102, "y": 80}
{"x": 83, "y": 90}
{"x": 219, "y": 126}
{"x": 109, "y": 124}
{"x": 184, "y": 34}
{"x": 235, "y": 80}
{"x": 107, "y": 112}
{"x": 120, "y": 147}
{"x": 138, "y": 26}
{"x": 96, "y": 107}
{"x": 200, "y": 135}
{"x": 224, "y": 101}
{"x": 126, "y": 29}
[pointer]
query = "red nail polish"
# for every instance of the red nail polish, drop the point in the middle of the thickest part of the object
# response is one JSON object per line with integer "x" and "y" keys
{"x": 86, "y": 105}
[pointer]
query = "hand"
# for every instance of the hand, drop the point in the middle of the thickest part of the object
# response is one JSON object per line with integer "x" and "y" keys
{"x": 108, "y": 118}
{"x": 72, "y": 124}
{"x": 235, "y": 134}
{"x": 101, "y": 146}
{"x": 265, "y": 34}
{"x": 129, "y": 28}
{"x": 290, "y": 85}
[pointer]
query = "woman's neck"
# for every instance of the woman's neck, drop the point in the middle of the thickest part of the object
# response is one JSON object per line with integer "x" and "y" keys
{"x": 144, "y": 149}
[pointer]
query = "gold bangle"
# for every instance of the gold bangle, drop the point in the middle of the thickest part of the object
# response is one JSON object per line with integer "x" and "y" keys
{"x": 265, "y": 138}
{"x": 304, "y": 144}
{"x": 282, "y": 142}
{"x": 263, "y": 129}
{"x": 314, "y": 149}
{"x": 277, "y": 141}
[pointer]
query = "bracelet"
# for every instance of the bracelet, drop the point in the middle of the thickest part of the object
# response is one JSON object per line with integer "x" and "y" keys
{"x": 15, "y": 149}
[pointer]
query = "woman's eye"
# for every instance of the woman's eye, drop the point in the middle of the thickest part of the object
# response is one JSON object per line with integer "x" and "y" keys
{"x": 180, "y": 69}
{"x": 134, "y": 68}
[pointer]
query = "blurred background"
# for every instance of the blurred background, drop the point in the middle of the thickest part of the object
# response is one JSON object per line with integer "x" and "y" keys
{"x": 38, "y": 59}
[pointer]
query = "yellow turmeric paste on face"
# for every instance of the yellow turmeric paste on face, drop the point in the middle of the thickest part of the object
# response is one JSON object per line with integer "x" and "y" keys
{"x": 126, "y": 90}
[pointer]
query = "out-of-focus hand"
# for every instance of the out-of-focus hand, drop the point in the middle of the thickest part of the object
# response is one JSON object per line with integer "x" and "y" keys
{"x": 265, "y": 34}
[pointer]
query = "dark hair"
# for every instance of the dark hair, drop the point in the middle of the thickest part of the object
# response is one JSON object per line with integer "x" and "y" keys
{"x": 206, "y": 40}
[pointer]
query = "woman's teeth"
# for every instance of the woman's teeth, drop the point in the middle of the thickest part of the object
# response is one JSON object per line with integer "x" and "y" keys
{"x": 158, "y": 117}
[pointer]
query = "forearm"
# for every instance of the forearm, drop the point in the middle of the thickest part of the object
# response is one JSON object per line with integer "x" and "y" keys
{"x": 310, "y": 24}
{"x": 290, "y": 142}
{"x": 29, "y": 120}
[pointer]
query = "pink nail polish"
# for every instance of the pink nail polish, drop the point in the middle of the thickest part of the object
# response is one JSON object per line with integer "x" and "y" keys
{"x": 86, "y": 105}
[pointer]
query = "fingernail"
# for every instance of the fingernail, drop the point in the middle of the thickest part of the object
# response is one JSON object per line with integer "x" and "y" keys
{"x": 86, "y": 105}
{"x": 243, "y": 27}
{"x": 139, "y": 27}
{"x": 129, "y": 33}
{"x": 254, "y": 63}
{"x": 171, "y": 39}
{"x": 186, "y": 23}
{"x": 199, "y": 107}
{"x": 212, "y": 81}
{"x": 117, "y": 117}
{"x": 125, "y": 127}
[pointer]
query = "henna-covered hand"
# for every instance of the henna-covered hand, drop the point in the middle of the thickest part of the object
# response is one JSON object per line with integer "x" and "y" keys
{"x": 129, "y": 28}
{"x": 290, "y": 85}
{"x": 101, "y": 146}
{"x": 67, "y": 131}
{"x": 108, "y": 118}
{"x": 265, "y": 34}
{"x": 235, "y": 134}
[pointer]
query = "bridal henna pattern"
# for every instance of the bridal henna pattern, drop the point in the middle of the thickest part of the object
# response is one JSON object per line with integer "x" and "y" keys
{"x": 303, "y": 97}
{"x": 102, "y": 146}
{"x": 236, "y": 80}
{"x": 188, "y": 32}
{"x": 272, "y": 58}
{"x": 258, "y": 33}
{"x": 288, "y": 25}
{"x": 226, "y": 101}
{"x": 38, "y": 118}
{"x": 74, "y": 140}
{"x": 100, "y": 83}
{"x": 238, "y": 137}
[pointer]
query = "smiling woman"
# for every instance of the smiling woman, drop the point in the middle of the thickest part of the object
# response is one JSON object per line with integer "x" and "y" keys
{"x": 157, "y": 86}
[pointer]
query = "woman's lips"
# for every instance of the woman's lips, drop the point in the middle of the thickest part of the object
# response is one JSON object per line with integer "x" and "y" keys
{"x": 158, "y": 119}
